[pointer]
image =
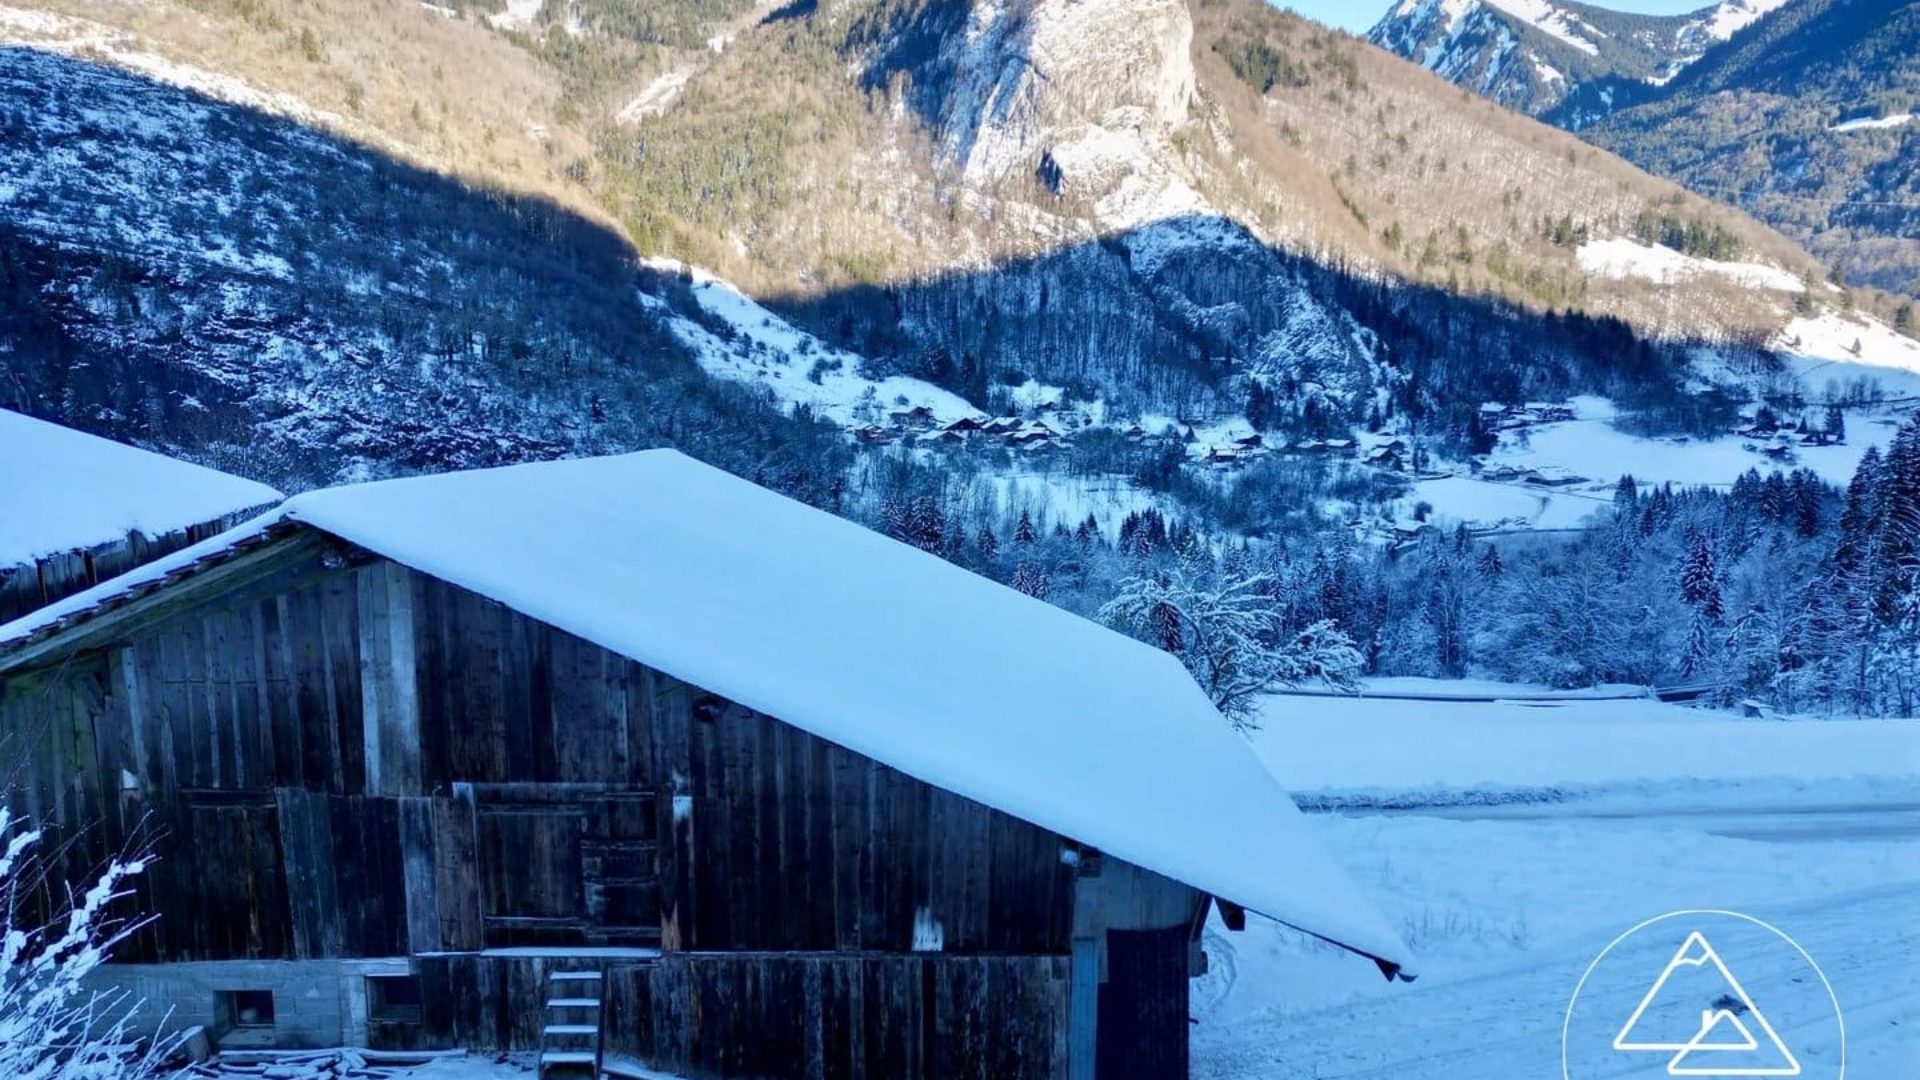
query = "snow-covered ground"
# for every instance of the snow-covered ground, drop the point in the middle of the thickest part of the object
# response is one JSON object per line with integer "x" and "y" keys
{"x": 1325, "y": 744}
{"x": 1590, "y": 446}
{"x": 1619, "y": 258}
{"x": 656, "y": 97}
{"x": 1813, "y": 826}
{"x": 1834, "y": 348}
{"x": 756, "y": 346}
{"x": 1489, "y": 504}
{"x": 518, "y": 15}
{"x": 1830, "y": 356}
{"x": 351, "y": 1064}
{"x": 1871, "y": 123}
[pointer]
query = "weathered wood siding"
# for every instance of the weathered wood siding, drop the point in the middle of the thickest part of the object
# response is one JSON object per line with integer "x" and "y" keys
{"x": 781, "y": 840}
{"x": 564, "y": 793}
{"x": 821, "y": 1016}
{"x": 248, "y": 696}
{"x": 34, "y": 585}
{"x": 507, "y": 699}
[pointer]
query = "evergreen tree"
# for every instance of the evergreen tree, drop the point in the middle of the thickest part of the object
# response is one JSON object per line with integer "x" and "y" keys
{"x": 1031, "y": 580}
{"x": 1626, "y": 493}
{"x": 1490, "y": 566}
{"x": 1699, "y": 580}
{"x": 1023, "y": 533}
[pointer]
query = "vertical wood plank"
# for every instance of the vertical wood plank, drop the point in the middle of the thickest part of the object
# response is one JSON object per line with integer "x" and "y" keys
{"x": 389, "y": 681}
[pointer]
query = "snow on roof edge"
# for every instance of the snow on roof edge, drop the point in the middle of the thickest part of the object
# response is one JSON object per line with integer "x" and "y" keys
{"x": 71, "y": 490}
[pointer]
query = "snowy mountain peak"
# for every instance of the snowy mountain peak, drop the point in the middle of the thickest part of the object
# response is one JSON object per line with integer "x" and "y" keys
{"x": 1531, "y": 54}
{"x": 1729, "y": 17}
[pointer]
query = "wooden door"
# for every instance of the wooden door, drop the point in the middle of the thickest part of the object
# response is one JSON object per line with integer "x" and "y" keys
{"x": 1142, "y": 1032}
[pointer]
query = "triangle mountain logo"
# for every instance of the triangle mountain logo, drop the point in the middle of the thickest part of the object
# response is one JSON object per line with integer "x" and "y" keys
{"x": 1711, "y": 1041}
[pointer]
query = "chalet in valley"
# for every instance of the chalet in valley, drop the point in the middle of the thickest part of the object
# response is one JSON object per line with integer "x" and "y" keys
{"x": 633, "y": 764}
{"x": 80, "y": 509}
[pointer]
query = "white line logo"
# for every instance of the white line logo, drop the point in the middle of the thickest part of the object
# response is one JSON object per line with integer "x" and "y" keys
{"x": 1695, "y": 1017}
{"x": 1696, "y": 1056}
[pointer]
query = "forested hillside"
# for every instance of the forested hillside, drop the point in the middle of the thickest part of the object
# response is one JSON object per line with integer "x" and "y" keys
{"x": 232, "y": 285}
{"x": 1806, "y": 122}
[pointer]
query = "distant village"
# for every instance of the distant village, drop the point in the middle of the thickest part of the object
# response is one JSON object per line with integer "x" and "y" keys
{"x": 1050, "y": 425}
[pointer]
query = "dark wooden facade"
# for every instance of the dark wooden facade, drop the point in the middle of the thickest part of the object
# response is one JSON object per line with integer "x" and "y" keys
{"x": 345, "y": 758}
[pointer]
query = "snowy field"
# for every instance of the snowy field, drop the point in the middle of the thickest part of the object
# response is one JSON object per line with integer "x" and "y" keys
{"x": 1643, "y": 809}
{"x": 1489, "y": 504}
{"x": 1622, "y": 258}
{"x": 1592, "y": 448}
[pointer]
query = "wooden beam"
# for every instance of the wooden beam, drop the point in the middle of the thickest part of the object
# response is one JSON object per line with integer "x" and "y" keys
{"x": 1083, "y": 1008}
{"x": 389, "y": 682}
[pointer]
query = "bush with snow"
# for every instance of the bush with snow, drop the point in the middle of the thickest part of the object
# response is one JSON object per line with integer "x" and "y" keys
{"x": 52, "y": 1026}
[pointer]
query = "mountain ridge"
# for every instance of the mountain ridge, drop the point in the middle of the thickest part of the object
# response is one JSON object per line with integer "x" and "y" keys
{"x": 943, "y": 203}
{"x": 1800, "y": 117}
{"x": 1531, "y": 55}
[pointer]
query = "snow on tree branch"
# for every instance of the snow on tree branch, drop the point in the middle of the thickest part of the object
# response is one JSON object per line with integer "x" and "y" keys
{"x": 1230, "y": 632}
{"x": 52, "y": 1026}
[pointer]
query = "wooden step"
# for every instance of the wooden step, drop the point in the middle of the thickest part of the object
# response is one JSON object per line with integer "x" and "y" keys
{"x": 559, "y": 1030}
{"x": 574, "y": 976}
{"x": 573, "y": 1003}
{"x": 568, "y": 1057}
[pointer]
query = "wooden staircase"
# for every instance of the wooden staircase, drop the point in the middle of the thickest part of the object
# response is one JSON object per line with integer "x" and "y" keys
{"x": 570, "y": 1041}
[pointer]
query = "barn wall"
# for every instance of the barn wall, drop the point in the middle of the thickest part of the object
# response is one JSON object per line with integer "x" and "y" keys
{"x": 822, "y": 1016}
{"x": 550, "y": 793}
{"x": 240, "y": 728}
{"x": 777, "y": 839}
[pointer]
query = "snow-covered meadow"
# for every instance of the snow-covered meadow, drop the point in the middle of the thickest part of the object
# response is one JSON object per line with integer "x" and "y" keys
{"x": 1511, "y": 838}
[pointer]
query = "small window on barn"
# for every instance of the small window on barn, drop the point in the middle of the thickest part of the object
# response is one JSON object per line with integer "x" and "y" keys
{"x": 393, "y": 997}
{"x": 248, "y": 1008}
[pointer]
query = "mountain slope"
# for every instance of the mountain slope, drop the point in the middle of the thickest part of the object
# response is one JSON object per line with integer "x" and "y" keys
{"x": 249, "y": 292}
{"x": 1805, "y": 122}
{"x": 1531, "y": 55}
{"x": 1129, "y": 216}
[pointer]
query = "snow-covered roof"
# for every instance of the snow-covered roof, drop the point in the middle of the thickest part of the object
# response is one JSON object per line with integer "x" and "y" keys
{"x": 66, "y": 490}
{"x": 869, "y": 643}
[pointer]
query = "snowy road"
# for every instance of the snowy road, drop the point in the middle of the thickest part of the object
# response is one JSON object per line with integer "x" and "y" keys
{"x": 1776, "y": 824}
{"x": 1505, "y": 1023}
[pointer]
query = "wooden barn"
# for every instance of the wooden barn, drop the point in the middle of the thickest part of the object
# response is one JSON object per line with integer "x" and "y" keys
{"x": 76, "y": 509}
{"x": 634, "y": 764}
